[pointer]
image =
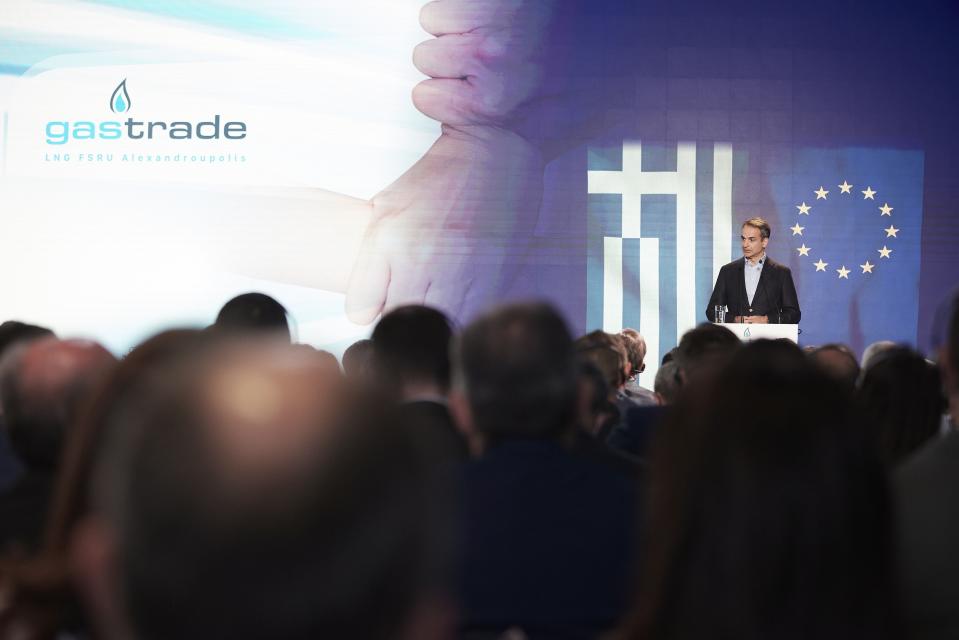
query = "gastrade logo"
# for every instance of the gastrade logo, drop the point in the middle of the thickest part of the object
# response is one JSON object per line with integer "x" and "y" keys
{"x": 60, "y": 132}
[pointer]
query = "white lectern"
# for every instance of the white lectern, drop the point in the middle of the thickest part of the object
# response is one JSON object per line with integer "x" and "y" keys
{"x": 749, "y": 332}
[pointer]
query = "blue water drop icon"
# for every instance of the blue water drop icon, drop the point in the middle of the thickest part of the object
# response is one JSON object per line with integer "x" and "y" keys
{"x": 747, "y": 333}
{"x": 120, "y": 100}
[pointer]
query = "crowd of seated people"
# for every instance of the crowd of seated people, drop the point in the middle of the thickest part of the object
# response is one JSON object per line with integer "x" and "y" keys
{"x": 501, "y": 481}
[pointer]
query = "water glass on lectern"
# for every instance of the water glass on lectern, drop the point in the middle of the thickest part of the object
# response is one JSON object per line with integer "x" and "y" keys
{"x": 719, "y": 313}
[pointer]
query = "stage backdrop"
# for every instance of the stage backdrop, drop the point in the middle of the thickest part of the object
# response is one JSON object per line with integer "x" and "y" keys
{"x": 158, "y": 158}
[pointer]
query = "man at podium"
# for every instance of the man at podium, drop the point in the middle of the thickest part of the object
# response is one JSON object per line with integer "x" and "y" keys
{"x": 755, "y": 289}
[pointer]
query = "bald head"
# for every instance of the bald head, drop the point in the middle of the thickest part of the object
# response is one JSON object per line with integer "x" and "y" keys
{"x": 43, "y": 384}
{"x": 248, "y": 478}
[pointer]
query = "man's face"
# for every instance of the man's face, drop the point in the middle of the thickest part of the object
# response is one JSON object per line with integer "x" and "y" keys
{"x": 753, "y": 242}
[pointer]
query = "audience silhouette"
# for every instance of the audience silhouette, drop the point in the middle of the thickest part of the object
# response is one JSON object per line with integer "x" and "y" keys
{"x": 499, "y": 482}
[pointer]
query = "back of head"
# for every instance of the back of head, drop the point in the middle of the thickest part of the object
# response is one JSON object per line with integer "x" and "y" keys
{"x": 13, "y": 332}
{"x": 873, "y": 350}
{"x": 411, "y": 344}
{"x": 517, "y": 369}
{"x": 667, "y": 384}
{"x": 900, "y": 402}
{"x": 606, "y": 361}
{"x": 253, "y": 312}
{"x": 608, "y": 352}
{"x": 768, "y": 516}
{"x": 704, "y": 349}
{"x": 43, "y": 386}
{"x": 42, "y": 597}
{"x": 71, "y": 499}
{"x": 838, "y": 362}
{"x": 635, "y": 348}
{"x": 357, "y": 359}
{"x": 594, "y": 410}
{"x": 252, "y": 495}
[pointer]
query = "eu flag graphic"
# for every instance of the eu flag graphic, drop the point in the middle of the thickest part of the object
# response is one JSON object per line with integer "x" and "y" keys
{"x": 852, "y": 219}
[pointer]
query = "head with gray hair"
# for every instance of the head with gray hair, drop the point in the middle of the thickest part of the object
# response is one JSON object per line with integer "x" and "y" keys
{"x": 667, "y": 383}
{"x": 873, "y": 350}
{"x": 635, "y": 349}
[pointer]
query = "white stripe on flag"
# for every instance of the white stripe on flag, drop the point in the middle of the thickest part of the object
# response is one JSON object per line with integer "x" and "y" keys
{"x": 649, "y": 307}
{"x": 612, "y": 284}
{"x": 722, "y": 207}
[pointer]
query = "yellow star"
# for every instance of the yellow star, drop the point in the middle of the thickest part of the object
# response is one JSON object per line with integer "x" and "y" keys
{"x": 868, "y": 194}
{"x": 843, "y": 272}
{"x": 845, "y": 187}
{"x": 821, "y": 266}
{"x": 884, "y": 252}
{"x": 891, "y": 232}
{"x": 867, "y": 268}
{"x": 803, "y": 250}
{"x": 803, "y": 208}
{"x": 797, "y": 230}
{"x": 886, "y": 209}
{"x": 821, "y": 193}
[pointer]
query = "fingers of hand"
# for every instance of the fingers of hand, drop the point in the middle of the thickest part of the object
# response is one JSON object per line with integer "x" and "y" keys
{"x": 449, "y": 101}
{"x": 450, "y": 56}
{"x": 442, "y": 17}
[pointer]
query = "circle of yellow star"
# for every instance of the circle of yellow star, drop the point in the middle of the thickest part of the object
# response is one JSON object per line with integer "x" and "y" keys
{"x": 884, "y": 252}
{"x": 803, "y": 208}
{"x": 821, "y": 266}
{"x": 803, "y": 250}
{"x": 868, "y": 194}
{"x": 891, "y": 232}
{"x": 845, "y": 187}
{"x": 886, "y": 209}
{"x": 821, "y": 193}
{"x": 797, "y": 230}
{"x": 843, "y": 272}
{"x": 867, "y": 268}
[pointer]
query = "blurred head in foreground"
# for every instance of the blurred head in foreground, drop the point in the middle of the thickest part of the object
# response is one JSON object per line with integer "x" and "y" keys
{"x": 900, "y": 402}
{"x": 768, "y": 517}
{"x": 516, "y": 374}
{"x": 40, "y": 600}
{"x": 247, "y": 493}
{"x": 43, "y": 386}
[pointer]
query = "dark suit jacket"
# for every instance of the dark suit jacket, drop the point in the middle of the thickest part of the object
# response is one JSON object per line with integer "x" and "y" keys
{"x": 10, "y": 467}
{"x": 634, "y": 432}
{"x": 775, "y": 295}
{"x": 549, "y": 536}
{"x": 440, "y": 435}
{"x": 23, "y": 511}
{"x": 926, "y": 488}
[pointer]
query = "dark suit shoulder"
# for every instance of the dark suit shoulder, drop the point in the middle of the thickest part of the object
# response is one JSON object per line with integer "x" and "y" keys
{"x": 731, "y": 265}
{"x": 939, "y": 458}
{"x": 778, "y": 266}
{"x": 434, "y": 426}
